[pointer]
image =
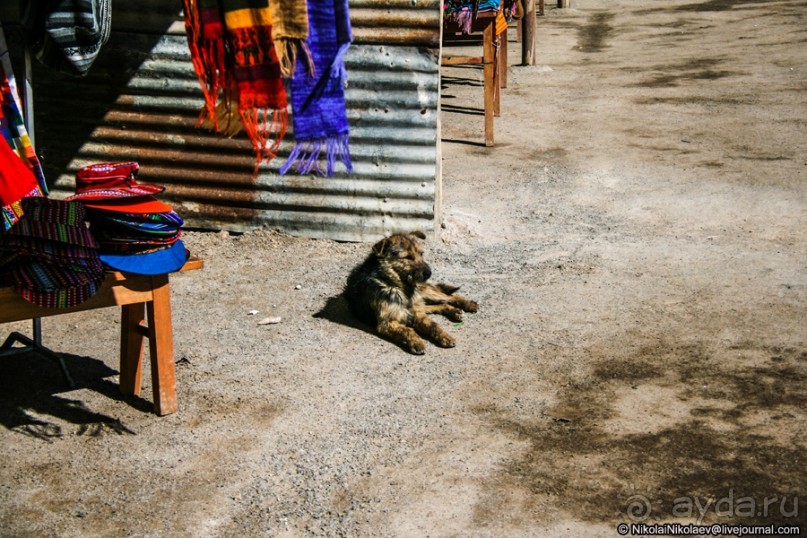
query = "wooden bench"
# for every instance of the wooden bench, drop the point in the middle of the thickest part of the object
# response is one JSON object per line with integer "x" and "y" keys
{"x": 145, "y": 303}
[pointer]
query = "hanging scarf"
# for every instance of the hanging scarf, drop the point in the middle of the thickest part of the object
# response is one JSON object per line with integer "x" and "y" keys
{"x": 318, "y": 102}
{"x": 290, "y": 30}
{"x": 235, "y": 59}
{"x": 20, "y": 171}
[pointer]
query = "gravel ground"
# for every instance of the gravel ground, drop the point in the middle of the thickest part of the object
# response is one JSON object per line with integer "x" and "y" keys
{"x": 636, "y": 242}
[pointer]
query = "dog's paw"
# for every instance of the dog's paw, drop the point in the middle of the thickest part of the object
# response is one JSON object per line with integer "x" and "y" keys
{"x": 454, "y": 314}
{"x": 417, "y": 348}
{"x": 470, "y": 306}
{"x": 445, "y": 340}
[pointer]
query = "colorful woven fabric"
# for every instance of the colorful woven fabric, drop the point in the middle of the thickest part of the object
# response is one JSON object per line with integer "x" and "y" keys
{"x": 463, "y": 13}
{"x": 20, "y": 171}
{"x": 109, "y": 181}
{"x": 49, "y": 256}
{"x": 67, "y": 35}
{"x": 290, "y": 30}
{"x": 63, "y": 298}
{"x": 235, "y": 60}
{"x": 53, "y": 220}
{"x": 44, "y": 277}
{"x": 318, "y": 103}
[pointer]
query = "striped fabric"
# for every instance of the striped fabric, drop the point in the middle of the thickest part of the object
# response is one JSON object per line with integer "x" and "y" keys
{"x": 20, "y": 172}
{"x": 49, "y": 256}
{"x": 67, "y": 35}
{"x": 235, "y": 60}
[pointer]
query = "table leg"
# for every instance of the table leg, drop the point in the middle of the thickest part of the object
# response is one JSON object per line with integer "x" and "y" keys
{"x": 131, "y": 347}
{"x": 161, "y": 347}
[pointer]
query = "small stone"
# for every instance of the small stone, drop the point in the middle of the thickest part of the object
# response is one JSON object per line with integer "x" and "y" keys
{"x": 298, "y": 287}
{"x": 274, "y": 320}
{"x": 253, "y": 312}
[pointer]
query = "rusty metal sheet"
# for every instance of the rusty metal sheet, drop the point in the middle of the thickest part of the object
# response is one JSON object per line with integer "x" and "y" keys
{"x": 141, "y": 101}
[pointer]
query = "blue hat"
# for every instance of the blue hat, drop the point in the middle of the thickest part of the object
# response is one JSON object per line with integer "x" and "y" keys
{"x": 157, "y": 262}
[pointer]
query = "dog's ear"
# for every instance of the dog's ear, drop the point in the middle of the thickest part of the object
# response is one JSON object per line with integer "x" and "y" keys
{"x": 381, "y": 247}
{"x": 418, "y": 233}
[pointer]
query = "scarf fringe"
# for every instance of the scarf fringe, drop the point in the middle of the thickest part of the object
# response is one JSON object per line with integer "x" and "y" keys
{"x": 264, "y": 134}
{"x": 288, "y": 50}
{"x": 208, "y": 58}
{"x": 305, "y": 157}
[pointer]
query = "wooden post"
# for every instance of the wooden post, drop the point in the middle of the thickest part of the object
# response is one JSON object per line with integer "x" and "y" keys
{"x": 528, "y": 34}
{"x": 564, "y": 3}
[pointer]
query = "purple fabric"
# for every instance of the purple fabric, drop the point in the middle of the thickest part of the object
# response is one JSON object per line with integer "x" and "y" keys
{"x": 318, "y": 102}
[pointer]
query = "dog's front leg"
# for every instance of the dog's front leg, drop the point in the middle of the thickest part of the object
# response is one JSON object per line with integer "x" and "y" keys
{"x": 451, "y": 312}
{"x": 431, "y": 330}
{"x": 399, "y": 332}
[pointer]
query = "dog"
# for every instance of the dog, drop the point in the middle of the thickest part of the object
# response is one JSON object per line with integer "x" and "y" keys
{"x": 389, "y": 290}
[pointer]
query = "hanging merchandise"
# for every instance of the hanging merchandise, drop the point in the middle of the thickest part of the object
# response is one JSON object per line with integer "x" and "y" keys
{"x": 318, "y": 103}
{"x": 235, "y": 60}
{"x": 464, "y": 12}
{"x": 290, "y": 30}
{"x": 49, "y": 255}
{"x": 16, "y": 183}
{"x": 20, "y": 171}
{"x": 137, "y": 233}
{"x": 67, "y": 35}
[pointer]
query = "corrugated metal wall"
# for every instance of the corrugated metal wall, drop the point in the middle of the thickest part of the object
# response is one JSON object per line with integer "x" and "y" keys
{"x": 142, "y": 99}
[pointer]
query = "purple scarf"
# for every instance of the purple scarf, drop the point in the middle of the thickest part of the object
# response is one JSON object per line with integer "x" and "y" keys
{"x": 319, "y": 114}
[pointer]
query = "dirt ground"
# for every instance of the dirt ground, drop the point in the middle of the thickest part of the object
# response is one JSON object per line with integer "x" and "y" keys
{"x": 636, "y": 241}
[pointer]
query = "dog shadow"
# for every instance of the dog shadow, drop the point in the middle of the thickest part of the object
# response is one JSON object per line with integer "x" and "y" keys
{"x": 32, "y": 400}
{"x": 336, "y": 310}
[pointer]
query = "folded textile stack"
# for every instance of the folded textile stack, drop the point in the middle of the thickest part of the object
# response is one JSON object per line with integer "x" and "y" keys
{"x": 49, "y": 255}
{"x": 136, "y": 232}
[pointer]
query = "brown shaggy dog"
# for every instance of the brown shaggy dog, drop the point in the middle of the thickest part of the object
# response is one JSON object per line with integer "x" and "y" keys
{"x": 389, "y": 290}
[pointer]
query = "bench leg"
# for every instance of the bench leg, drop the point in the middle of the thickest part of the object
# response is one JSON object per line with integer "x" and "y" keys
{"x": 489, "y": 59}
{"x": 131, "y": 347}
{"x": 161, "y": 347}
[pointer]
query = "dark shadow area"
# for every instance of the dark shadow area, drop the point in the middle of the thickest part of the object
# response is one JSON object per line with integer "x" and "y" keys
{"x": 592, "y": 36}
{"x": 446, "y": 82}
{"x": 31, "y": 387}
{"x": 464, "y": 142}
{"x": 471, "y": 111}
{"x": 709, "y": 454}
{"x": 67, "y": 109}
{"x": 336, "y": 310}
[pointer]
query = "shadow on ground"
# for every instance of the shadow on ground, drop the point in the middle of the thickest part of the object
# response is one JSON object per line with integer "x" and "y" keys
{"x": 33, "y": 401}
{"x": 728, "y": 454}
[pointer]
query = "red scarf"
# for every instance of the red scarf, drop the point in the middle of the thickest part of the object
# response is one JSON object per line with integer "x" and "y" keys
{"x": 234, "y": 57}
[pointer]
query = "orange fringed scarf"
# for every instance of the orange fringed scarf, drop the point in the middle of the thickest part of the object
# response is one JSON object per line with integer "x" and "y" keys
{"x": 235, "y": 59}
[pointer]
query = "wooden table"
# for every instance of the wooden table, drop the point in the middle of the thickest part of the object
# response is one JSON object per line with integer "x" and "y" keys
{"x": 145, "y": 303}
{"x": 485, "y": 23}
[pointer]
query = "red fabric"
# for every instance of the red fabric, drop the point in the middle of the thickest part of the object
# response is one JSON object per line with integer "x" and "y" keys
{"x": 239, "y": 72}
{"x": 16, "y": 180}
